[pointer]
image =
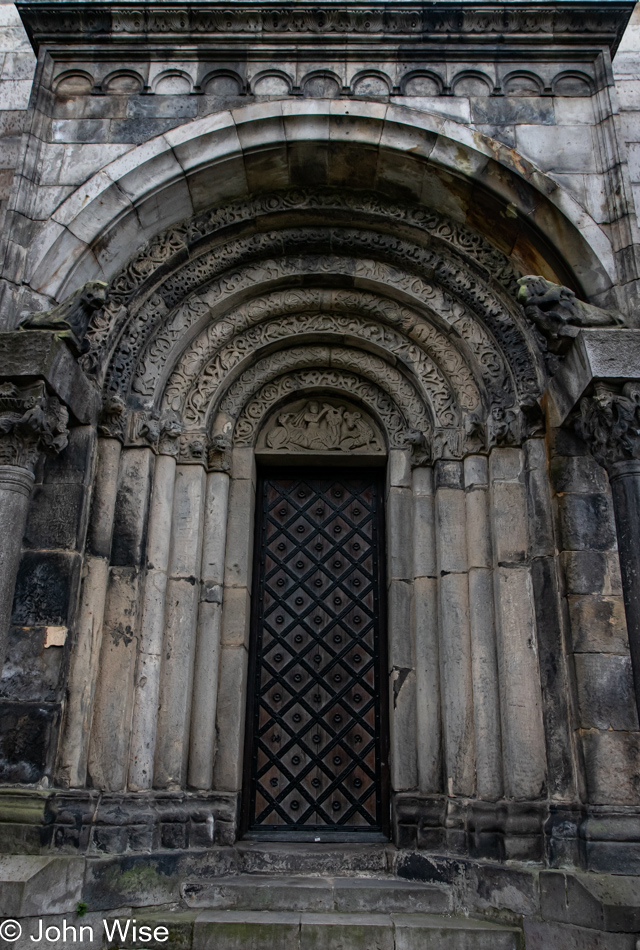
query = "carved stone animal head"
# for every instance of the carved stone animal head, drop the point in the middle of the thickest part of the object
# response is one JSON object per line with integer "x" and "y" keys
{"x": 71, "y": 318}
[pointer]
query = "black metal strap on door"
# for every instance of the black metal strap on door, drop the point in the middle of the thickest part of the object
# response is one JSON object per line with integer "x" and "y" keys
{"x": 317, "y": 716}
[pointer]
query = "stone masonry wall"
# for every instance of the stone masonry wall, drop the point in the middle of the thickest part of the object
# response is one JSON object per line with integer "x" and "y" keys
{"x": 17, "y": 64}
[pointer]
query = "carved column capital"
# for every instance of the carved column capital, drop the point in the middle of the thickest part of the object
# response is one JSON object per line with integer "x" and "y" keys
{"x": 31, "y": 421}
{"x": 609, "y": 422}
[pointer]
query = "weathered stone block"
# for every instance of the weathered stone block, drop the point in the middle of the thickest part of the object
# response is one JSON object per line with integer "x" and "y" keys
{"x": 46, "y": 589}
{"x": 40, "y": 353}
{"x": 612, "y": 767}
{"x": 130, "y": 519}
{"x": 57, "y": 517}
{"x": 605, "y": 692}
{"x": 509, "y": 518}
{"x": 598, "y": 623}
{"x": 591, "y": 572}
{"x": 577, "y": 474}
{"x": 74, "y": 465}
{"x": 26, "y": 740}
{"x": 449, "y": 474}
{"x": 247, "y": 930}
{"x": 586, "y": 522}
{"x": 31, "y": 673}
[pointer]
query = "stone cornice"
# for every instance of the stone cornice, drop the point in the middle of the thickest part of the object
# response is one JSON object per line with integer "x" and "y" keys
{"x": 584, "y": 22}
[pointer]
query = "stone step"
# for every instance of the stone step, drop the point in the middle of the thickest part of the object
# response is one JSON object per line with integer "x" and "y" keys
{"x": 295, "y": 858}
{"x": 262, "y": 930}
{"x": 343, "y": 894}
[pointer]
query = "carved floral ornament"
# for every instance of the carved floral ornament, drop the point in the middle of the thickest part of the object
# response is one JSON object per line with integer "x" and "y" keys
{"x": 128, "y": 290}
{"x": 31, "y": 422}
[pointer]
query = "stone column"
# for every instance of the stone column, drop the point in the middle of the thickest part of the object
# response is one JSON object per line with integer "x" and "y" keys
{"x": 610, "y": 424}
{"x": 402, "y": 700}
{"x": 147, "y": 689}
{"x": 83, "y": 663}
{"x": 111, "y": 729}
{"x": 523, "y": 740}
{"x": 181, "y": 612}
{"x": 455, "y": 633}
{"x": 205, "y": 684}
{"x": 486, "y": 702}
{"x": 30, "y": 421}
{"x": 425, "y": 618}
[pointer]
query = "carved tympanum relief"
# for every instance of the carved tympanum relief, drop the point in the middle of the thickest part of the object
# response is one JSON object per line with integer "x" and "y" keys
{"x": 320, "y": 425}
{"x": 331, "y": 383}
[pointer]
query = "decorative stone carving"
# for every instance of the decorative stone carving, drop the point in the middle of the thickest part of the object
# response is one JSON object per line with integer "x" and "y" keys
{"x": 420, "y": 447}
{"x": 31, "y": 421}
{"x": 371, "y": 317}
{"x": 463, "y": 260}
{"x": 372, "y": 368}
{"x": 504, "y": 427}
{"x": 609, "y": 422}
{"x": 71, "y": 318}
{"x": 558, "y": 313}
{"x": 335, "y": 383}
{"x": 158, "y": 430}
{"x": 321, "y": 425}
{"x": 219, "y": 454}
{"x": 458, "y": 298}
{"x": 113, "y": 417}
{"x": 404, "y": 24}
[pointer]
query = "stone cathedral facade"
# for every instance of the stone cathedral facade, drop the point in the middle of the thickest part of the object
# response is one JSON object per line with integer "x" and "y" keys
{"x": 320, "y": 471}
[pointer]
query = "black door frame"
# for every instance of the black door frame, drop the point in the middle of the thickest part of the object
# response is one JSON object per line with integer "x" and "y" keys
{"x": 297, "y": 470}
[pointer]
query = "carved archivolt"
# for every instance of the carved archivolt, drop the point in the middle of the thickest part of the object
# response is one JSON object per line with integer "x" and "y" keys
{"x": 303, "y": 310}
{"x": 452, "y": 293}
{"x": 192, "y": 397}
{"x": 440, "y": 306}
{"x": 416, "y": 312}
{"x": 366, "y": 365}
{"x": 378, "y": 403}
{"x": 470, "y": 249}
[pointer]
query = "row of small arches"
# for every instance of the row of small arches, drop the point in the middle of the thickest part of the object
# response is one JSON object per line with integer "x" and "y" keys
{"x": 325, "y": 84}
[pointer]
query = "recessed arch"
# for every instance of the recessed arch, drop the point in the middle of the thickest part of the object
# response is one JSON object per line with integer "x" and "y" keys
{"x": 97, "y": 227}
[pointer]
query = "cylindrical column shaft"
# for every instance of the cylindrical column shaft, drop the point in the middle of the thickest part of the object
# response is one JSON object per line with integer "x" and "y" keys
{"x": 205, "y": 681}
{"x": 625, "y": 489}
{"x": 15, "y": 488}
{"x": 486, "y": 702}
{"x": 111, "y": 730}
{"x": 425, "y": 611}
{"x": 524, "y": 758}
{"x": 83, "y": 663}
{"x": 403, "y": 723}
{"x": 455, "y": 634}
{"x": 147, "y": 689}
{"x": 181, "y": 610}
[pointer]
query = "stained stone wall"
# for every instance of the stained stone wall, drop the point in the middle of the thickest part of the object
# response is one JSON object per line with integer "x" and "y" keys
{"x": 297, "y": 217}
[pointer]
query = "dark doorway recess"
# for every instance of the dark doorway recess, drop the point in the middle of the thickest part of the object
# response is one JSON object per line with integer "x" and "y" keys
{"x": 316, "y": 755}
